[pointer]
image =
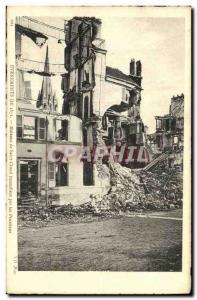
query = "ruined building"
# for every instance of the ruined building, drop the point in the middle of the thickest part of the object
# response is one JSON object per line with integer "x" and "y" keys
{"x": 101, "y": 105}
{"x": 169, "y": 135}
{"x": 106, "y": 99}
{"x": 41, "y": 130}
{"x": 170, "y": 128}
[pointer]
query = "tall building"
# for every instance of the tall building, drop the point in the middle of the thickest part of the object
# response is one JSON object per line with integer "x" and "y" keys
{"x": 170, "y": 128}
{"x": 44, "y": 174}
{"x": 169, "y": 135}
{"x": 106, "y": 99}
{"x": 100, "y": 106}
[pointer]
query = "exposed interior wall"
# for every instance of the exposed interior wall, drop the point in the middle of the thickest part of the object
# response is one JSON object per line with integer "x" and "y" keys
{"x": 112, "y": 96}
{"x": 99, "y": 89}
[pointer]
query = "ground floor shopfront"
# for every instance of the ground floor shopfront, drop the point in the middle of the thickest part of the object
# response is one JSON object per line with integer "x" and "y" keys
{"x": 41, "y": 181}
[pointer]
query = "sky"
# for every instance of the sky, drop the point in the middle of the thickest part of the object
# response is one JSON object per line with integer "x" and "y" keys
{"x": 159, "y": 44}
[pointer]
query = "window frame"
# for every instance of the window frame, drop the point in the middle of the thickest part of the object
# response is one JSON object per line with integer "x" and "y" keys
{"x": 35, "y": 130}
{"x": 157, "y": 122}
{"x": 39, "y": 128}
{"x": 59, "y": 165}
{"x": 86, "y": 107}
{"x": 17, "y": 126}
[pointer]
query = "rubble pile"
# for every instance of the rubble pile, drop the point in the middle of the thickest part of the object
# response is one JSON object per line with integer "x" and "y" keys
{"x": 40, "y": 216}
{"x": 140, "y": 190}
{"x": 131, "y": 190}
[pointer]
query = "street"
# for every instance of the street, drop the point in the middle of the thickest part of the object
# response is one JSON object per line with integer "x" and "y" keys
{"x": 128, "y": 243}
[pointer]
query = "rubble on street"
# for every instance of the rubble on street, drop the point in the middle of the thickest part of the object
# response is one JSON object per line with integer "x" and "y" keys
{"x": 132, "y": 190}
{"x": 140, "y": 190}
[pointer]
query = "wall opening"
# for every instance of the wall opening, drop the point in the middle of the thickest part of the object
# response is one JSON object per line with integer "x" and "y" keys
{"x": 88, "y": 174}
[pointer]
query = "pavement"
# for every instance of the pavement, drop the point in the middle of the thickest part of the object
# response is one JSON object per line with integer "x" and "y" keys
{"x": 134, "y": 242}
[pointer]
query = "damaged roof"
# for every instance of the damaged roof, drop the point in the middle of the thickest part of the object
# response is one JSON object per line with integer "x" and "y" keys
{"x": 88, "y": 19}
{"x": 116, "y": 73}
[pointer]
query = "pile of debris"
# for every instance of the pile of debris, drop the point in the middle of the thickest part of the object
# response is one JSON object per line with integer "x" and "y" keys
{"x": 131, "y": 190}
{"x": 139, "y": 190}
{"x": 41, "y": 216}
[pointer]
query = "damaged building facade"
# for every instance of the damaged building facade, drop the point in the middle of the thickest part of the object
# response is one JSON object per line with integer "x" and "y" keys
{"x": 169, "y": 135}
{"x": 106, "y": 99}
{"x": 100, "y": 106}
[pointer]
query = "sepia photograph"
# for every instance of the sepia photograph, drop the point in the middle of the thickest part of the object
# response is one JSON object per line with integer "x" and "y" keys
{"x": 101, "y": 133}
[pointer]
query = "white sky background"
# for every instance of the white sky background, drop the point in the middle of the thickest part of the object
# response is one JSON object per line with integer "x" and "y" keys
{"x": 157, "y": 42}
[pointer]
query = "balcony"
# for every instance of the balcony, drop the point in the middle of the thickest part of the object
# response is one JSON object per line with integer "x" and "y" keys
{"x": 37, "y": 67}
{"x": 40, "y": 27}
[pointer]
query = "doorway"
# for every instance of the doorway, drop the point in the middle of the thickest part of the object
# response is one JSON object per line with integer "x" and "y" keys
{"x": 28, "y": 178}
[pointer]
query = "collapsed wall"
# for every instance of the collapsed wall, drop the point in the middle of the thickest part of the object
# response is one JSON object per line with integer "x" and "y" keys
{"x": 138, "y": 190}
{"x": 131, "y": 191}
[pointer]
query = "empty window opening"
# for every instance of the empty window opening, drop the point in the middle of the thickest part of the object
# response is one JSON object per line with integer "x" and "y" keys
{"x": 86, "y": 107}
{"x": 61, "y": 174}
{"x": 88, "y": 174}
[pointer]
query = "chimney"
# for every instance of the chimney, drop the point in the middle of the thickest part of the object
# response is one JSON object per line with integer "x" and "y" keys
{"x": 138, "y": 68}
{"x": 132, "y": 67}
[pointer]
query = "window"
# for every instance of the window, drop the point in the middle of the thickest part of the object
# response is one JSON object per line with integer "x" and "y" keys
{"x": 86, "y": 107}
{"x": 132, "y": 97}
{"x": 173, "y": 125}
{"x": 61, "y": 130}
{"x": 104, "y": 122}
{"x": 175, "y": 139}
{"x": 139, "y": 128}
{"x": 57, "y": 174}
{"x": 85, "y": 137}
{"x": 58, "y": 128}
{"x": 64, "y": 129}
{"x": 28, "y": 89}
{"x": 42, "y": 129}
{"x": 159, "y": 141}
{"x": 86, "y": 76}
{"x": 158, "y": 124}
{"x": 167, "y": 124}
{"x": 19, "y": 127}
{"x": 111, "y": 132}
{"x": 125, "y": 95}
{"x": 88, "y": 178}
{"x": 51, "y": 171}
{"x": 29, "y": 127}
{"x": 61, "y": 174}
{"x": 132, "y": 139}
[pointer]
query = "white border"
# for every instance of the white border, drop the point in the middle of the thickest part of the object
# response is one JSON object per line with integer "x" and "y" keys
{"x": 2, "y": 89}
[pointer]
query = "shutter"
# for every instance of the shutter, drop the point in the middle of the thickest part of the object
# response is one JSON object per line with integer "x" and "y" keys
{"x": 51, "y": 174}
{"x": 36, "y": 128}
{"x": 19, "y": 126}
{"x": 42, "y": 129}
{"x": 28, "y": 89}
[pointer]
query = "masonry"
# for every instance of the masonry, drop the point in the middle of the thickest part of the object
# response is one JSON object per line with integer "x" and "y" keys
{"x": 169, "y": 134}
{"x": 100, "y": 106}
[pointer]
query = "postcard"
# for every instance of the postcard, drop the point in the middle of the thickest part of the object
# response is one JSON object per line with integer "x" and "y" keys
{"x": 98, "y": 150}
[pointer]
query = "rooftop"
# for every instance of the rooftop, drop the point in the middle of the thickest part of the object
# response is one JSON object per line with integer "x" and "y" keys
{"x": 116, "y": 73}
